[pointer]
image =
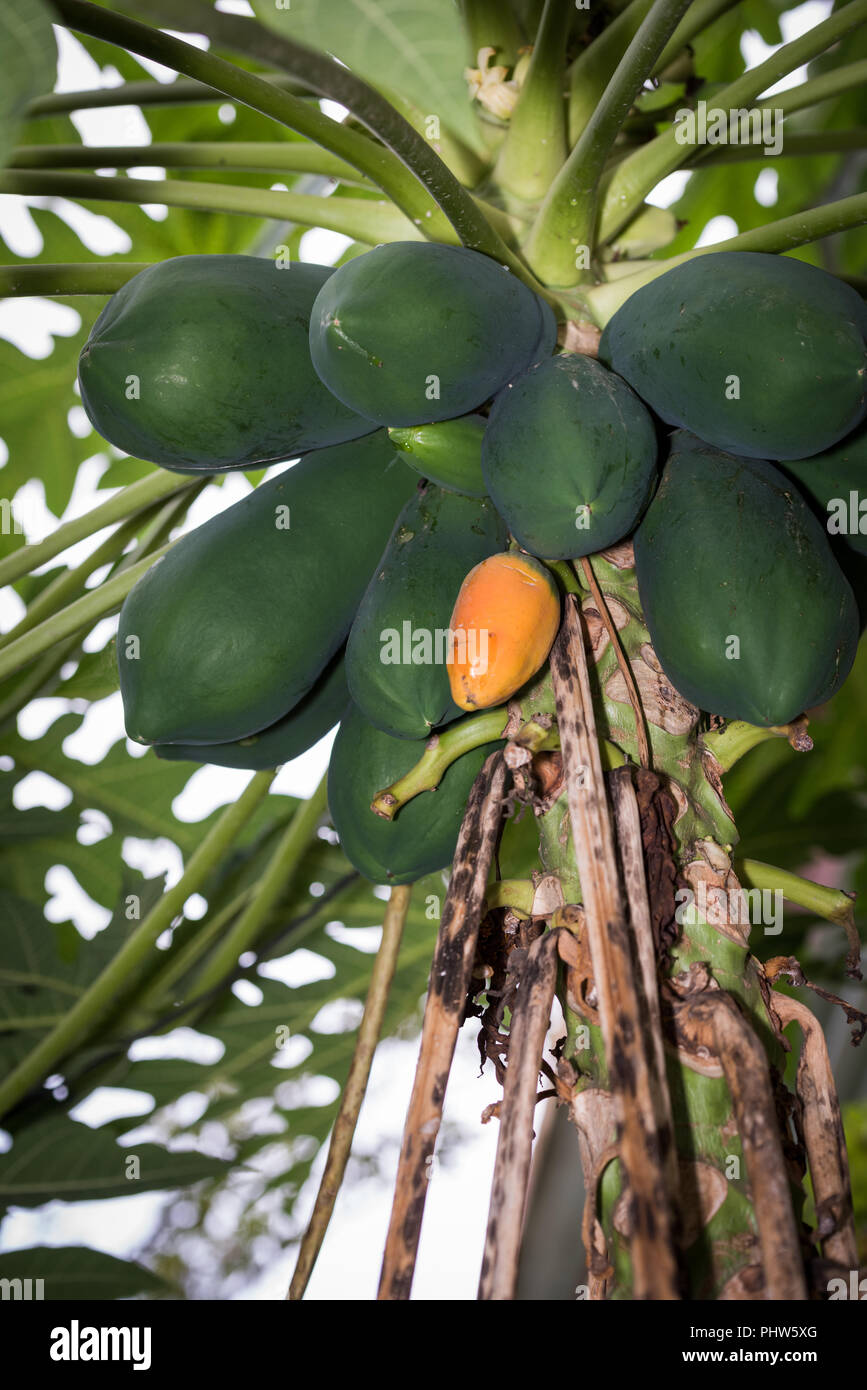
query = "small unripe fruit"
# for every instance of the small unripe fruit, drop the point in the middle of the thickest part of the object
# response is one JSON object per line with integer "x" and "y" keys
{"x": 503, "y": 625}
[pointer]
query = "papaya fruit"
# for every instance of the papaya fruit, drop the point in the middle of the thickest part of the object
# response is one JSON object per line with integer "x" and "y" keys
{"x": 569, "y": 457}
{"x": 760, "y": 355}
{"x": 449, "y": 453}
{"x": 748, "y": 611}
{"x": 414, "y": 332}
{"x": 504, "y": 622}
{"x": 230, "y": 629}
{"x": 202, "y": 364}
{"x": 423, "y": 835}
{"x": 836, "y": 482}
{"x": 398, "y": 645}
{"x": 300, "y": 729}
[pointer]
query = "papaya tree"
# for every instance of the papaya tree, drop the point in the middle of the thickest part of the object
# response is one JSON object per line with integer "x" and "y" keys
{"x": 551, "y": 505}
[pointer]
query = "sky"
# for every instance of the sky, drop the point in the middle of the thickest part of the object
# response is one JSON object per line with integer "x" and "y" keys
{"x": 457, "y": 1202}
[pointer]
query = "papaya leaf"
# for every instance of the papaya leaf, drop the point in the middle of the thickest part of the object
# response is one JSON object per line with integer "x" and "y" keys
{"x": 418, "y": 47}
{"x": 29, "y": 63}
{"x": 76, "y": 1272}
{"x": 57, "y": 1158}
{"x": 94, "y": 678}
{"x": 45, "y": 967}
{"x": 35, "y": 398}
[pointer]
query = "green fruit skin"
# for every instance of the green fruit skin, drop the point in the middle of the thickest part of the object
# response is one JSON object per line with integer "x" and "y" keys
{"x": 449, "y": 453}
{"x": 437, "y": 539}
{"x": 390, "y": 320}
{"x": 237, "y": 621}
{"x": 291, "y": 736}
{"x": 220, "y": 347}
{"x": 792, "y": 335}
{"x": 569, "y": 457}
{"x": 728, "y": 548}
{"x": 832, "y": 476}
{"x": 423, "y": 835}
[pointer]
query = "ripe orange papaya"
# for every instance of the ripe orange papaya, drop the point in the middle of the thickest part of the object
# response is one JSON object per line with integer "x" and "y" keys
{"x": 504, "y": 622}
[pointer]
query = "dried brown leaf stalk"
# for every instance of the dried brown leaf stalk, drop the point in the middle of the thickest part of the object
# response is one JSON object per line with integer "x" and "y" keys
{"x": 630, "y": 1062}
{"x": 531, "y": 1014}
{"x": 449, "y": 981}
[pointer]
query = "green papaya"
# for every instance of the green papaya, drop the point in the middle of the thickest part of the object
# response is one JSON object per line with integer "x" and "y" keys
{"x": 448, "y": 453}
{"x": 226, "y": 633}
{"x": 761, "y": 355}
{"x": 306, "y": 724}
{"x": 423, "y": 835}
{"x": 748, "y": 611}
{"x": 202, "y": 364}
{"x": 397, "y": 648}
{"x": 836, "y": 481}
{"x": 569, "y": 457}
{"x": 414, "y": 331}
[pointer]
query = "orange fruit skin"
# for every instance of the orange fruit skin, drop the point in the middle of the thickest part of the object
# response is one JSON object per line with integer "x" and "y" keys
{"x": 504, "y": 622}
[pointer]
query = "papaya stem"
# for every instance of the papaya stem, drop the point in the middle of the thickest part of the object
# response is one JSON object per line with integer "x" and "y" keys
{"x": 562, "y": 236}
{"x": 86, "y": 277}
{"x": 399, "y": 160}
{"x": 833, "y": 904}
{"x": 82, "y": 613}
{"x": 287, "y": 156}
{"x": 622, "y": 661}
{"x": 785, "y": 234}
{"x": 491, "y": 24}
{"x": 730, "y": 743}
{"x": 440, "y": 752}
{"x": 515, "y": 893}
{"x": 634, "y": 178}
{"x": 534, "y": 146}
{"x": 566, "y": 574}
{"x": 72, "y": 581}
{"x": 136, "y": 497}
{"x": 380, "y": 164}
{"x": 157, "y": 520}
{"x": 593, "y": 68}
{"x": 147, "y": 93}
{"x": 361, "y": 219}
{"x": 808, "y": 142}
{"x": 102, "y": 994}
{"x": 43, "y": 675}
{"x": 369, "y": 1031}
{"x": 699, "y": 16}
{"x": 283, "y": 864}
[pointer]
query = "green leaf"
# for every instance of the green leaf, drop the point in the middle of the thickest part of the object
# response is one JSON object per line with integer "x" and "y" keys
{"x": 418, "y": 47}
{"x": 58, "y": 1159}
{"x": 29, "y": 63}
{"x": 35, "y": 399}
{"x": 95, "y": 677}
{"x": 44, "y": 967}
{"x": 75, "y": 1272}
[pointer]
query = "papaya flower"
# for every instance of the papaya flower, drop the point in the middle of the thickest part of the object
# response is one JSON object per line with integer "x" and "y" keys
{"x": 492, "y": 86}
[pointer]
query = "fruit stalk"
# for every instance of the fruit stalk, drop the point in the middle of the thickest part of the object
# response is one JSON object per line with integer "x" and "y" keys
{"x": 441, "y": 751}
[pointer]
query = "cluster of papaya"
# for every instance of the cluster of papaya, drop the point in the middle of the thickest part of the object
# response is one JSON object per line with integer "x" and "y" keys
{"x": 395, "y": 576}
